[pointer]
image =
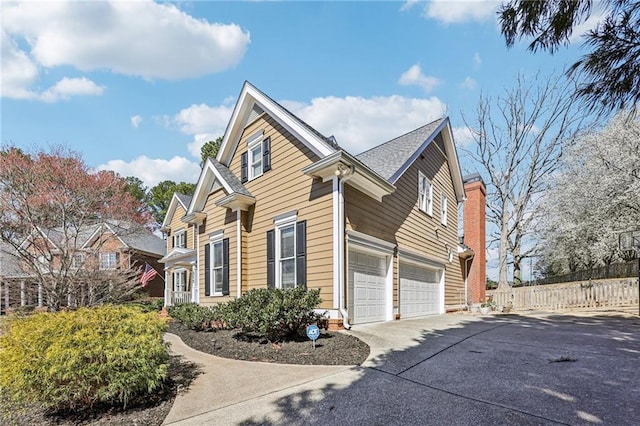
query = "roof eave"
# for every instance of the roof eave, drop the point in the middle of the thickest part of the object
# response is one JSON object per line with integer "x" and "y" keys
{"x": 236, "y": 202}
{"x": 357, "y": 175}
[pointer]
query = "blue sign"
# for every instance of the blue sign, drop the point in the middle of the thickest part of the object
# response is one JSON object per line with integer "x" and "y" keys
{"x": 313, "y": 332}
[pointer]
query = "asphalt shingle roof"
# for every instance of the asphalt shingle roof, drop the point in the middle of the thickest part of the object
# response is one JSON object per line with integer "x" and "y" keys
{"x": 184, "y": 199}
{"x": 236, "y": 186}
{"x": 388, "y": 158}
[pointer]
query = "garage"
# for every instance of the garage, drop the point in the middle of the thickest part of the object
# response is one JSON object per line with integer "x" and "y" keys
{"x": 420, "y": 292}
{"x": 367, "y": 287}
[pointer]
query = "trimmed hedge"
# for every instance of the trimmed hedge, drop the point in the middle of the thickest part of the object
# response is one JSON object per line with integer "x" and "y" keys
{"x": 74, "y": 360}
{"x": 274, "y": 314}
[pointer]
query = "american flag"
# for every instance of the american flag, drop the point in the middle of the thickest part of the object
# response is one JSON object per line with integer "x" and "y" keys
{"x": 148, "y": 274}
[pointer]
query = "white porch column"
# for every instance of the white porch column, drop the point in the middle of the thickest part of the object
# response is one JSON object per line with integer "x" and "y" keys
{"x": 193, "y": 284}
{"x": 167, "y": 289}
{"x": 336, "y": 243}
{"x": 23, "y": 296}
{"x": 40, "y": 294}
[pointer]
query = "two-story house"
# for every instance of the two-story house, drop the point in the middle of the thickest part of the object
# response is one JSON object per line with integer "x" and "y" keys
{"x": 282, "y": 205}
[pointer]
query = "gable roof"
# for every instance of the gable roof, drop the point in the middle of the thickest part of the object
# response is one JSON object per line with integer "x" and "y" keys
{"x": 250, "y": 96}
{"x": 131, "y": 235}
{"x": 177, "y": 200}
{"x": 391, "y": 159}
{"x": 213, "y": 171}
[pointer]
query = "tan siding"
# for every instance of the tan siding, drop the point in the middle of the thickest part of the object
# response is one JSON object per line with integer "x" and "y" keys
{"x": 397, "y": 219}
{"x": 282, "y": 189}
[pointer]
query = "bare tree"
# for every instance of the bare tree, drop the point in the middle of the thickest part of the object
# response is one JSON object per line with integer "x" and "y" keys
{"x": 56, "y": 216}
{"x": 518, "y": 142}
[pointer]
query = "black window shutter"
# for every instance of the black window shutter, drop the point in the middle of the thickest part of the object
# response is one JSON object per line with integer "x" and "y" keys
{"x": 301, "y": 253}
{"x": 225, "y": 267}
{"x": 244, "y": 160}
{"x": 266, "y": 154}
{"x": 207, "y": 270}
{"x": 271, "y": 259}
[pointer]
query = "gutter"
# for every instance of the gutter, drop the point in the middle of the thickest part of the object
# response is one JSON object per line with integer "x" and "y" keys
{"x": 343, "y": 176}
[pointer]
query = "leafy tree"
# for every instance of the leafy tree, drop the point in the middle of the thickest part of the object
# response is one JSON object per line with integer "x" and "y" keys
{"x": 49, "y": 201}
{"x": 518, "y": 141}
{"x": 137, "y": 189}
{"x": 210, "y": 149}
{"x": 610, "y": 69}
{"x": 161, "y": 194}
{"x": 593, "y": 198}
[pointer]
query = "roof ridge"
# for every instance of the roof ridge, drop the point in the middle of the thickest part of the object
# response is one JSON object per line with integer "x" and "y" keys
{"x": 401, "y": 136}
{"x": 329, "y": 140}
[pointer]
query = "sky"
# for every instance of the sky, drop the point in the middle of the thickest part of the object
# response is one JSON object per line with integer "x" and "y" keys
{"x": 138, "y": 86}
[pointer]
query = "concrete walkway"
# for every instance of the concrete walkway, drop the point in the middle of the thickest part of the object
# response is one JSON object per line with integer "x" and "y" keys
{"x": 450, "y": 369}
{"x": 223, "y": 382}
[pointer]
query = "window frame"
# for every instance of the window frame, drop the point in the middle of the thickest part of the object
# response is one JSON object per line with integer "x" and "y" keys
{"x": 444, "y": 206}
{"x": 425, "y": 194}
{"x": 77, "y": 260}
{"x": 110, "y": 265}
{"x": 217, "y": 289}
{"x": 181, "y": 272}
{"x": 281, "y": 225}
{"x": 179, "y": 235}
{"x": 255, "y": 144}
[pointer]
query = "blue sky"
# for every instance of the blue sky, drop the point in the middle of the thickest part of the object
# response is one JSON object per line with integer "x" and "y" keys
{"x": 138, "y": 86}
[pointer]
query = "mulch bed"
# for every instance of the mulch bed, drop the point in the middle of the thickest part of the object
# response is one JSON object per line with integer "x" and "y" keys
{"x": 332, "y": 348}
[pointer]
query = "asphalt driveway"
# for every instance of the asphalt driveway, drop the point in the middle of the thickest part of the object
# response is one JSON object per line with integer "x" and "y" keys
{"x": 451, "y": 369}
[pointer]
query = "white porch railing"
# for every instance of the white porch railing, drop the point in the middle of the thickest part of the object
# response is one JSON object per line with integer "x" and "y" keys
{"x": 180, "y": 297}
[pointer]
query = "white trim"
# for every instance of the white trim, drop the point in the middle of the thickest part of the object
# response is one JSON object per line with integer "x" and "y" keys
{"x": 444, "y": 208}
{"x": 425, "y": 195}
{"x": 254, "y": 146}
{"x": 369, "y": 243}
{"x": 215, "y": 238}
{"x": 239, "y": 252}
{"x": 419, "y": 259}
{"x": 257, "y": 136}
{"x": 284, "y": 222}
{"x": 338, "y": 261}
{"x": 197, "y": 263}
{"x": 250, "y": 95}
{"x": 285, "y": 218}
{"x": 442, "y": 280}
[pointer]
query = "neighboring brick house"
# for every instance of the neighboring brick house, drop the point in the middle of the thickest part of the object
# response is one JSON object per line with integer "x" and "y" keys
{"x": 119, "y": 247}
{"x": 282, "y": 205}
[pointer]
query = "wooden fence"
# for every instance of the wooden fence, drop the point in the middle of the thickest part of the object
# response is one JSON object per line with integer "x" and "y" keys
{"x": 582, "y": 294}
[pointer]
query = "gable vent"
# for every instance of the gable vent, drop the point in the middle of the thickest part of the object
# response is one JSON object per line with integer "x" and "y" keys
{"x": 255, "y": 113}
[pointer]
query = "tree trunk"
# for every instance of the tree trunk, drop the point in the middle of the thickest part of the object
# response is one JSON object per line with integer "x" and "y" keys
{"x": 503, "y": 279}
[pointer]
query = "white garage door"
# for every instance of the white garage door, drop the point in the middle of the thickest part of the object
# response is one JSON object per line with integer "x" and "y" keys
{"x": 367, "y": 295}
{"x": 419, "y": 291}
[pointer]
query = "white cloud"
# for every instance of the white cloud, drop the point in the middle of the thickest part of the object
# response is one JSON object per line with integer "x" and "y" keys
{"x": 152, "y": 171}
{"x": 68, "y": 87}
{"x": 477, "y": 61}
{"x": 460, "y": 11}
{"x": 137, "y": 38}
{"x": 463, "y": 136}
{"x": 408, "y": 5}
{"x": 596, "y": 17}
{"x": 204, "y": 122}
{"x": 414, "y": 77}
{"x": 362, "y": 123}
{"x": 136, "y": 120}
{"x": 468, "y": 83}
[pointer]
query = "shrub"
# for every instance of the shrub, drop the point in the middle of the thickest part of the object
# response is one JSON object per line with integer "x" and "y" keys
{"x": 149, "y": 305}
{"x": 192, "y": 316}
{"x": 273, "y": 313}
{"x": 76, "y": 359}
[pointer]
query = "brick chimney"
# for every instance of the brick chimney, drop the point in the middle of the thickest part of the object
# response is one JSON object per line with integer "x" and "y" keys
{"x": 474, "y": 222}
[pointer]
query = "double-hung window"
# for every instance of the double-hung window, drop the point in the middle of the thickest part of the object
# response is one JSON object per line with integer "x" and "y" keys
{"x": 180, "y": 239}
{"x": 445, "y": 209}
{"x": 286, "y": 252}
{"x": 425, "y": 194}
{"x": 180, "y": 280}
{"x": 216, "y": 254}
{"x": 77, "y": 260}
{"x": 108, "y": 260}
{"x": 287, "y": 256}
{"x": 257, "y": 159}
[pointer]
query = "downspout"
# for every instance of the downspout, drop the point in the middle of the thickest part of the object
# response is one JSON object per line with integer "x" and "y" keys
{"x": 466, "y": 280}
{"x": 343, "y": 176}
{"x": 239, "y": 256}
